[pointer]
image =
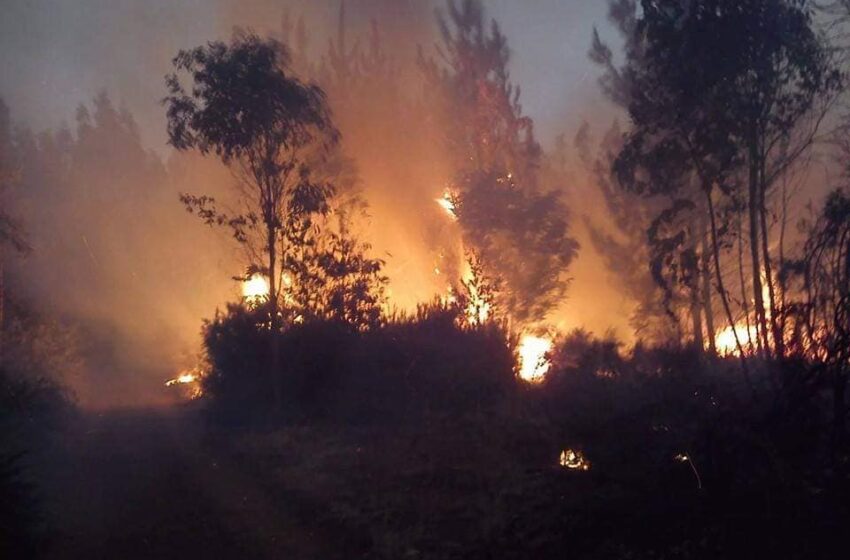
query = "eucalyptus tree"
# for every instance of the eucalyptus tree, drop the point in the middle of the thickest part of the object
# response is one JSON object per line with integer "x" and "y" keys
{"x": 726, "y": 95}
{"x": 245, "y": 106}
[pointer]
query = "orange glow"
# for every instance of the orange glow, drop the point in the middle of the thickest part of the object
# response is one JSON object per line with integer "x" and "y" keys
{"x": 533, "y": 362}
{"x": 725, "y": 339}
{"x": 188, "y": 382}
{"x": 183, "y": 378}
{"x": 255, "y": 288}
{"x": 574, "y": 459}
{"x": 478, "y": 308}
{"x": 447, "y": 203}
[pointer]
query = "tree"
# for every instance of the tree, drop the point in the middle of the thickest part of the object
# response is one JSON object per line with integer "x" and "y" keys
{"x": 518, "y": 229}
{"x": 823, "y": 311}
{"x": 624, "y": 243}
{"x": 669, "y": 203}
{"x": 723, "y": 94}
{"x": 329, "y": 277}
{"x": 247, "y": 108}
{"x": 11, "y": 233}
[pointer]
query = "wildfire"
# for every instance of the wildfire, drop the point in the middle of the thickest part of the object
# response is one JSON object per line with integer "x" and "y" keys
{"x": 183, "y": 378}
{"x": 725, "y": 339}
{"x": 478, "y": 308}
{"x": 188, "y": 381}
{"x": 255, "y": 288}
{"x": 574, "y": 459}
{"x": 747, "y": 335}
{"x": 533, "y": 363}
{"x": 447, "y": 203}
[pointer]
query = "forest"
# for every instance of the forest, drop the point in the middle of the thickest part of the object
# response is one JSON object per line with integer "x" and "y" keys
{"x": 322, "y": 282}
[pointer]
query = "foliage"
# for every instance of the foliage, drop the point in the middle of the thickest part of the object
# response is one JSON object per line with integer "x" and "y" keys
{"x": 328, "y": 276}
{"x": 30, "y": 406}
{"x": 623, "y": 241}
{"x": 722, "y": 95}
{"x": 246, "y": 107}
{"x": 405, "y": 369}
{"x": 824, "y": 271}
{"x": 820, "y": 316}
{"x": 684, "y": 465}
{"x": 519, "y": 229}
{"x": 10, "y": 231}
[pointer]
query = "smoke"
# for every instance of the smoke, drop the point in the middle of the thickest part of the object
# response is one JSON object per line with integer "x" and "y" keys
{"x": 113, "y": 248}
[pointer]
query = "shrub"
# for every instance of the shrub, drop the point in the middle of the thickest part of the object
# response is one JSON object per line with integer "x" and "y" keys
{"x": 28, "y": 408}
{"x": 408, "y": 368}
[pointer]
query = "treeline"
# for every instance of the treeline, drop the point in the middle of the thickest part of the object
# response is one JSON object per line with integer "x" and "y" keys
{"x": 729, "y": 105}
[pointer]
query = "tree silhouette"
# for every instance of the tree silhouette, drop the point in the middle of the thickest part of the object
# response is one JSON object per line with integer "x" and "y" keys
{"x": 674, "y": 228}
{"x": 246, "y": 107}
{"x": 11, "y": 233}
{"x": 721, "y": 94}
{"x": 519, "y": 230}
{"x": 823, "y": 311}
{"x": 625, "y": 244}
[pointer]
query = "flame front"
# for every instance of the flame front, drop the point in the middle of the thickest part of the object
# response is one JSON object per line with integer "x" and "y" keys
{"x": 188, "y": 381}
{"x": 725, "y": 339}
{"x": 256, "y": 287}
{"x": 183, "y": 378}
{"x": 447, "y": 203}
{"x": 533, "y": 363}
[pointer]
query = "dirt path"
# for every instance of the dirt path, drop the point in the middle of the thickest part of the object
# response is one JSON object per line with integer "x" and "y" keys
{"x": 144, "y": 485}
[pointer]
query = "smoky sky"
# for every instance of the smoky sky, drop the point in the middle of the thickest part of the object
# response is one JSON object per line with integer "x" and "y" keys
{"x": 57, "y": 54}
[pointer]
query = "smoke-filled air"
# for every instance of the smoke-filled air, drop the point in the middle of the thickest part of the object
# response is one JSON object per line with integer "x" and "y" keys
{"x": 424, "y": 278}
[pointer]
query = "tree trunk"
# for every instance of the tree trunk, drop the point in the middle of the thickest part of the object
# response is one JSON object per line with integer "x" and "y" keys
{"x": 776, "y": 332}
{"x": 741, "y": 275}
{"x": 758, "y": 301}
{"x": 715, "y": 250}
{"x": 274, "y": 349}
{"x": 705, "y": 274}
{"x": 696, "y": 317}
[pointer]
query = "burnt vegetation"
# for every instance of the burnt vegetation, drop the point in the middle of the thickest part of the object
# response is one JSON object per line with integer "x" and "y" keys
{"x": 469, "y": 425}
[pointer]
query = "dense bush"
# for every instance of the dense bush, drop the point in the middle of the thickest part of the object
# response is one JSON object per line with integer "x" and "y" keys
{"x": 676, "y": 439}
{"x": 679, "y": 442}
{"x": 408, "y": 368}
{"x": 29, "y": 407}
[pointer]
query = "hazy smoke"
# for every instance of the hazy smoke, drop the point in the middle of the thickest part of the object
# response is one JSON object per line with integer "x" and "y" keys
{"x": 113, "y": 247}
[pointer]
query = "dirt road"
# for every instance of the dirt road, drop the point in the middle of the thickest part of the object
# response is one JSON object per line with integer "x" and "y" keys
{"x": 144, "y": 484}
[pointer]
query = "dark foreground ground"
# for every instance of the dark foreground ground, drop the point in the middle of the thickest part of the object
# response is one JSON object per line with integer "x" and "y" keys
{"x": 148, "y": 484}
{"x": 160, "y": 484}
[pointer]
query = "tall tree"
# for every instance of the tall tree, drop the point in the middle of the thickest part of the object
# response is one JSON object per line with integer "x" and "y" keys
{"x": 246, "y": 107}
{"x": 823, "y": 311}
{"x": 11, "y": 234}
{"x": 673, "y": 229}
{"x": 722, "y": 93}
{"x": 623, "y": 243}
{"x": 518, "y": 229}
